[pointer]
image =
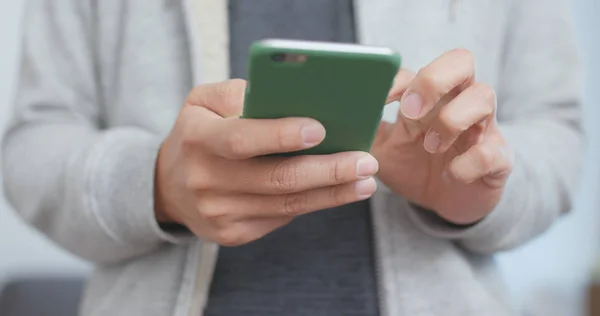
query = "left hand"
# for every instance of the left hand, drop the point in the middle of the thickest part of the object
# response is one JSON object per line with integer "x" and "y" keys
{"x": 445, "y": 152}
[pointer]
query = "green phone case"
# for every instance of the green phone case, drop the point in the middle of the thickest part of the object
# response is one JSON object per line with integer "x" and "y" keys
{"x": 345, "y": 91}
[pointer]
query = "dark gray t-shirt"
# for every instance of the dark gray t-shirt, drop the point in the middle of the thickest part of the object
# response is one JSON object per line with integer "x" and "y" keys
{"x": 321, "y": 263}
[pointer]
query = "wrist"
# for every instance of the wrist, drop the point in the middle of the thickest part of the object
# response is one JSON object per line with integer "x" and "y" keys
{"x": 160, "y": 209}
{"x": 162, "y": 217}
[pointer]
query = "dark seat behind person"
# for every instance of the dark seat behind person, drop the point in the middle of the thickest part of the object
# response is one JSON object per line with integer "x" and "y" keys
{"x": 44, "y": 296}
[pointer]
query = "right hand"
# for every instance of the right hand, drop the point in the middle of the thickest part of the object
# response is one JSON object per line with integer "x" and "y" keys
{"x": 212, "y": 175}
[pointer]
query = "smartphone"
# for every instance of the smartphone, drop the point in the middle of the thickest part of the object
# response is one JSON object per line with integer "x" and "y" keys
{"x": 344, "y": 86}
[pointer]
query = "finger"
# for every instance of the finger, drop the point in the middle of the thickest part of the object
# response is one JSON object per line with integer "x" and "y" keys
{"x": 473, "y": 106}
{"x": 324, "y": 198}
{"x": 401, "y": 83}
{"x": 451, "y": 72}
{"x": 491, "y": 161}
{"x": 248, "y": 231}
{"x": 250, "y": 206}
{"x": 271, "y": 175}
{"x": 417, "y": 128}
{"x": 235, "y": 138}
{"x": 224, "y": 98}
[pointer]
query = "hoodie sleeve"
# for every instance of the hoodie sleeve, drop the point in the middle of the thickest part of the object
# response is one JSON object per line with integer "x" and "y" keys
{"x": 88, "y": 189}
{"x": 539, "y": 112}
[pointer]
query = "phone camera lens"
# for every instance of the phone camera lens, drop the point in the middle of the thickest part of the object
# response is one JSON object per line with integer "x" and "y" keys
{"x": 278, "y": 58}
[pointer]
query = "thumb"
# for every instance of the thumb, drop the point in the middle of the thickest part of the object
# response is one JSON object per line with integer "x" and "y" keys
{"x": 224, "y": 98}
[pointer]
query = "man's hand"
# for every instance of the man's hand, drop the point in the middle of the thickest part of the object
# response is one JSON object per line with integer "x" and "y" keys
{"x": 445, "y": 152}
{"x": 212, "y": 174}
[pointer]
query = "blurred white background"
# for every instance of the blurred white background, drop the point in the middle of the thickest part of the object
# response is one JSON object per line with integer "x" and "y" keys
{"x": 547, "y": 277}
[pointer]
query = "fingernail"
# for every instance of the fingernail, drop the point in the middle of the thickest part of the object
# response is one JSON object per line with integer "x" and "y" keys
{"x": 366, "y": 167}
{"x": 432, "y": 141}
{"x": 365, "y": 188}
{"x": 313, "y": 134}
{"x": 411, "y": 106}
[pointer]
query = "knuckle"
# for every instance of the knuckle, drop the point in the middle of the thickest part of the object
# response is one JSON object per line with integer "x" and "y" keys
{"x": 285, "y": 177}
{"x": 189, "y": 134}
{"x": 230, "y": 237}
{"x": 212, "y": 212}
{"x": 336, "y": 174}
{"x": 429, "y": 79}
{"x": 293, "y": 204}
{"x": 451, "y": 123}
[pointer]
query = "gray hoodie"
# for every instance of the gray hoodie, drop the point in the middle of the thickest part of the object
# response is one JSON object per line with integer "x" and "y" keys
{"x": 102, "y": 82}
